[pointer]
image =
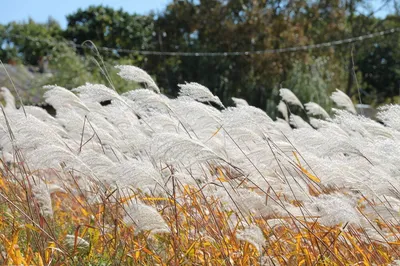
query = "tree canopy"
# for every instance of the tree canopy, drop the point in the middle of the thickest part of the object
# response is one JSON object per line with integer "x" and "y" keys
{"x": 369, "y": 66}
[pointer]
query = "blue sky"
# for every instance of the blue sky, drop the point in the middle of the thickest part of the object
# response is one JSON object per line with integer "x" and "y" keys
{"x": 40, "y": 10}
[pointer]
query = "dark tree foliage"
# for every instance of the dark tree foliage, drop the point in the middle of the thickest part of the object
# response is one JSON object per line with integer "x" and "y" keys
{"x": 227, "y": 26}
{"x": 107, "y": 27}
{"x": 16, "y": 45}
{"x": 379, "y": 64}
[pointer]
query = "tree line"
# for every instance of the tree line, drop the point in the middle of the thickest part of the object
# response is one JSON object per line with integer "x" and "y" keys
{"x": 368, "y": 70}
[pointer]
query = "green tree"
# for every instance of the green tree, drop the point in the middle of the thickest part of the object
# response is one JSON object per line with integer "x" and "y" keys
{"x": 379, "y": 64}
{"x": 70, "y": 70}
{"x": 29, "y": 42}
{"x": 107, "y": 27}
{"x": 222, "y": 25}
{"x": 241, "y": 25}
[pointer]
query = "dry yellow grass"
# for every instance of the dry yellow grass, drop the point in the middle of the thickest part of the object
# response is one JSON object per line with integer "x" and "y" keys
{"x": 201, "y": 233}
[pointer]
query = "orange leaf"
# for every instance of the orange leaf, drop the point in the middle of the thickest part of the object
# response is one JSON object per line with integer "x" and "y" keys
{"x": 308, "y": 174}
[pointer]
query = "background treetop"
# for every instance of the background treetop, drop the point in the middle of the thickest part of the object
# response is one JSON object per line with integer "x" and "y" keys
{"x": 369, "y": 66}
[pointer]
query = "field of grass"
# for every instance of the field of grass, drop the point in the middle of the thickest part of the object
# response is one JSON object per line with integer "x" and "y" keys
{"x": 142, "y": 179}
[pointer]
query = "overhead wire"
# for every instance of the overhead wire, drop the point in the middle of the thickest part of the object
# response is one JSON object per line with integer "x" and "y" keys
{"x": 226, "y": 53}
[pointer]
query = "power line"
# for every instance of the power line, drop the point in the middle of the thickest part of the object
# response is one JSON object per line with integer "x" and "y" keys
{"x": 214, "y": 54}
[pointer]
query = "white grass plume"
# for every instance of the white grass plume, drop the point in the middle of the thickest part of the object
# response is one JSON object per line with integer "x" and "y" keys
{"x": 239, "y": 102}
{"x": 144, "y": 218}
{"x": 42, "y": 115}
{"x": 31, "y": 133}
{"x": 138, "y": 75}
{"x": 79, "y": 243}
{"x": 180, "y": 149}
{"x": 298, "y": 122}
{"x": 139, "y": 175}
{"x": 28, "y": 132}
{"x": 59, "y": 97}
{"x": 200, "y": 120}
{"x": 282, "y": 125}
{"x": 163, "y": 123}
{"x": 316, "y": 110}
{"x": 147, "y": 102}
{"x": 253, "y": 235}
{"x": 282, "y": 108}
{"x": 289, "y": 97}
{"x": 199, "y": 93}
{"x": 390, "y": 116}
{"x": 41, "y": 194}
{"x": 96, "y": 93}
{"x": 8, "y": 98}
{"x": 244, "y": 116}
{"x": 53, "y": 157}
{"x": 242, "y": 200}
{"x": 342, "y": 100}
{"x": 99, "y": 163}
{"x": 336, "y": 209}
{"x": 316, "y": 123}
